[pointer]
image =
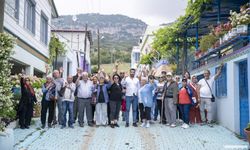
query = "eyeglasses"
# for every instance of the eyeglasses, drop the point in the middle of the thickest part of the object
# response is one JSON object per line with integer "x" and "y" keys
{"x": 116, "y": 78}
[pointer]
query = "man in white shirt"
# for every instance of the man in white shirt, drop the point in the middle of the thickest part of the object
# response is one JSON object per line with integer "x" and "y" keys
{"x": 68, "y": 102}
{"x": 132, "y": 86}
{"x": 206, "y": 94}
{"x": 84, "y": 96}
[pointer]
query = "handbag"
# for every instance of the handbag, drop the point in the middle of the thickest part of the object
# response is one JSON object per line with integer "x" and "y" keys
{"x": 93, "y": 99}
{"x": 62, "y": 91}
{"x": 213, "y": 98}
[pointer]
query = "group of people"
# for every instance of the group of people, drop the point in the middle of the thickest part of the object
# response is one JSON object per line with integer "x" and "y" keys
{"x": 103, "y": 96}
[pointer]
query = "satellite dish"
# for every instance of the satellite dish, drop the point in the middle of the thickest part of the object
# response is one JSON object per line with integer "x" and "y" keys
{"x": 74, "y": 18}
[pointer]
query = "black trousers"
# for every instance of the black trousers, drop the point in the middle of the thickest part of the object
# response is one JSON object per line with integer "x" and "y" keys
{"x": 93, "y": 111}
{"x": 25, "y": 114}
{"x": 160, "y": 109}
{"x": 145, "y": 112}
{"x": 141, "y": 110}
{"x": 47, "y": 105}
{"x": 115, "y": 107}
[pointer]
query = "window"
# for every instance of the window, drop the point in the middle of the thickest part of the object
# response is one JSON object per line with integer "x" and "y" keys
{"x": 29, "y": 15}
{"x": 199, "y": 77}
{"x": 221, "y": 82}
{"x": 12, "y": 8}
{"x": 44, "y": 29}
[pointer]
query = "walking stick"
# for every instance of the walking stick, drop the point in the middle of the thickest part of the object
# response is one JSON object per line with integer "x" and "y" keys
{"x": 54, "y": 115}
{"x": 162, "y": 100}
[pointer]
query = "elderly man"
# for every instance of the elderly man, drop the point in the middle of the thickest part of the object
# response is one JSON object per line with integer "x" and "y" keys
{"x": 170, "y": 100}
{"x": 206, "y": 95}
{"x": 84, "y": 94}
{"x": 59, "y": 84}
{"x": 78, "y": 73}
{"x": 68, "y": 101}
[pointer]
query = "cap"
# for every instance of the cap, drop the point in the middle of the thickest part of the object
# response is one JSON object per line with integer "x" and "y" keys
{"x": 169, "y": 74}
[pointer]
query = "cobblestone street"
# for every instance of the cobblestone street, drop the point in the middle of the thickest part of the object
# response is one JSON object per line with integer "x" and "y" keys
{"x": 158, "y": 137}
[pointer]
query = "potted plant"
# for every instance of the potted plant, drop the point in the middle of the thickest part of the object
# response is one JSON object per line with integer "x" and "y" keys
{"x": 207, "y": 42}
{"x": 247, "y": 132}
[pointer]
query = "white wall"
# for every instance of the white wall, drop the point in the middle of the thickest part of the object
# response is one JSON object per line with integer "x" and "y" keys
{"x": 17, "y": 28}
{"x": 72, "y": 47}
{"x": 226, "y": 109}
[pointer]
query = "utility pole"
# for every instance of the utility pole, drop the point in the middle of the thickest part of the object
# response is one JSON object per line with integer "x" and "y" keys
{"x": 2, "y": 5}
{"x": 85, "y": 47}
{"x": 77, "y": 58}
{"x": 98, "y": 48}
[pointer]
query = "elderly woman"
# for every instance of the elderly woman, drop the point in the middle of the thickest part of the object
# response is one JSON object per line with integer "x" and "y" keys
{"x": 26, "y": 103}
{"x": 195, "y": 116}
{"x": 146, "y": 97}
{"x": 48, "y": 101}
{"x": 102, "y": 102}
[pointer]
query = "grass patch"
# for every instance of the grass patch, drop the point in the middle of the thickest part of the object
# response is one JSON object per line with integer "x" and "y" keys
{"x": 109, "y": 67}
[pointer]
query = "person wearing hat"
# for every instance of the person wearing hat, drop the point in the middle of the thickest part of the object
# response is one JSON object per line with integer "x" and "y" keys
{"x": 159, "y": 99}
{"x": 170, "y": 100}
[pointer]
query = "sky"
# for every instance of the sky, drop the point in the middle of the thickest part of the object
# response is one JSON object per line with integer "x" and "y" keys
{"x": 153, "y": 12}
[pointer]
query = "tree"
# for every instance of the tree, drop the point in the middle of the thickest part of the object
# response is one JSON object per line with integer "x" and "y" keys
{"x": 7, "y": 111}
{"x": 56, "y": 48}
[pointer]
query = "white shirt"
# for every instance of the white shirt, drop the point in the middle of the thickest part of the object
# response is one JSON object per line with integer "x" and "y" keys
{"x": 204, "y": 89}
{"x": 84, "y": 89}
{"x": 132, "y": 85}
{"x": 69, "y": 92}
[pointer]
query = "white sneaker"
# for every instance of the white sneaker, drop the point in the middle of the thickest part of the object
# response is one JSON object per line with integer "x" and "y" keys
{"x": 143, "y": 124}
{"x": 185, "y": 126}
{"x": 147, "y": 125}
{"x": 173, "y": 125}
{"x": 168, "y": 124}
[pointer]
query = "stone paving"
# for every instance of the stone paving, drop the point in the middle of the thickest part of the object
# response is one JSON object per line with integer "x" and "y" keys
{"x": 159, "y": 137}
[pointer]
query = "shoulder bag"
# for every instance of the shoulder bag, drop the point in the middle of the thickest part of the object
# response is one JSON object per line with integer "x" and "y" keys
{"x": 213, "y": 98}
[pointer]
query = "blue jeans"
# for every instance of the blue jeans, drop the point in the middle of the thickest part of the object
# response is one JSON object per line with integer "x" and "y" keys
{"x": 184, "y": 110}
{"x": 68, "y": 106}
{"x": 134, "y": 101}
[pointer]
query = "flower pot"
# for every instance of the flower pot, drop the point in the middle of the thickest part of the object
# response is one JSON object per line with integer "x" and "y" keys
{"x": 247, "y": 132}
{"x": 7, "y": 137}
{"x": 242, "y": 29}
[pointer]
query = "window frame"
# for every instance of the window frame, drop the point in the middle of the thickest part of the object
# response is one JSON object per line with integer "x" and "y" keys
{"x": 31, "y": 14}
{"x": 221, "y": 82}
{"x": 46, "y": 20}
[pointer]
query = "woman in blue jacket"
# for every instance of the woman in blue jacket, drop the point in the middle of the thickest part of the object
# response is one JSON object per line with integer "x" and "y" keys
{"x": 102, "y": 101}
{"x": 146, "y": 95}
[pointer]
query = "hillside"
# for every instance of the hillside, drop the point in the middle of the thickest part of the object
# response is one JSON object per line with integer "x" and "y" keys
{"x": 120, "y": 32}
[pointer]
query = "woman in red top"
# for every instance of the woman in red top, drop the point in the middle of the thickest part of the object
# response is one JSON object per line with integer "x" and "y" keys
{"x": 185, "y": 102}
{"x": 194, "y": 115}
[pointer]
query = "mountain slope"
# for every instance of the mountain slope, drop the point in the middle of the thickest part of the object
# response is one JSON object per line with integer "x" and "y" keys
{"x": 120, "y": 32}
